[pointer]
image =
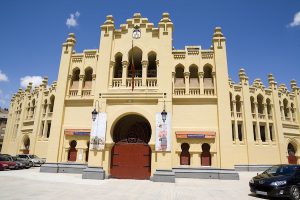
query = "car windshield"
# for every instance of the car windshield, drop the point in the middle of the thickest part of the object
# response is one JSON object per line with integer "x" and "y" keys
{"x": 22, "y": 156}
{"x": 281, "y": 170}
{"x": 33, "y": 156}
{"x": 15, "y": 158}
{"x": 4, "y": 159}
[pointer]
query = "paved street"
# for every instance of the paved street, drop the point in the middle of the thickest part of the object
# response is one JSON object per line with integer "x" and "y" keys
{"x": 31, "y": 184}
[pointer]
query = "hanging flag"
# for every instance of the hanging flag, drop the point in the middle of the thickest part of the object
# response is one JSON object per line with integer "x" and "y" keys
{"x": 132, "y": 68}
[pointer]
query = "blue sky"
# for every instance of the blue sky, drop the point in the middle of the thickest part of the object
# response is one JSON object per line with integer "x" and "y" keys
{"x": 259, "y": 36}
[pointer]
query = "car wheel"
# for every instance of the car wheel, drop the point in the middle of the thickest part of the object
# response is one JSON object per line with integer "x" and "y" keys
{"x": 294, "y": 192}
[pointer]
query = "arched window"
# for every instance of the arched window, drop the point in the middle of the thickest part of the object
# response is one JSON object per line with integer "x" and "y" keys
{"x": 33, "y": 107}
{"x": 45, "y": 106}
{"x": 75, "y": 78}
{"x": 185, "y": 155}
{"x": 152, "y": 68}
{"x": 135, "y": 55}
{"x": 52, "y": 99}
{"x": 194, "y": 78}
{"x": 292, "y": 159}
{"x": 293, "y": 112}
{"x": 286, "y": 108}
{"x": 72, "y": 155}
{"x": 118, "y": 65}
{"x": 252, "y": 105}
{"x": 269, "y": 108}
{"x": 87, "y": 152}
{"x": 179, "y": 75}
{"x": 208, "y": 79}
{"x": 260, "y": 105}
{"x": 26, "y": 145}
{"x": 238, "y": 103}
{"x": 88, "y": 77}
{"x": 205, "y": 155}
{"x": 231, "y": 102}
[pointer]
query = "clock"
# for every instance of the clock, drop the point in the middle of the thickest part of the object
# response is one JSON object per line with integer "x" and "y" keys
{"x": 136, "y": 34}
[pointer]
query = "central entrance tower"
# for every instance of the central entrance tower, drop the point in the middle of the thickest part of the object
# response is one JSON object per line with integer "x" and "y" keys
{"x": 131, "y": 154}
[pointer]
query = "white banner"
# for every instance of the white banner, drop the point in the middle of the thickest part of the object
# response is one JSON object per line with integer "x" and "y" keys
{"x": 98, "y": 132}
{"x": 163, "y": 133}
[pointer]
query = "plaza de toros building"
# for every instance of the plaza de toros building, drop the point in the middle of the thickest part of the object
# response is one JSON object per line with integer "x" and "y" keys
{"x": 176, "y": 113}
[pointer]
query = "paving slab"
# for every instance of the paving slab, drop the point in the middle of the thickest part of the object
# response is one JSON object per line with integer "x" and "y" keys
{"x": 31, "y": 184}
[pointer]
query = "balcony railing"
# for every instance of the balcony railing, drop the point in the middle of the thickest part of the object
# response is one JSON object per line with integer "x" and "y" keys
{"x": 86, "y": 92}
{"x": 261, "y": 116}
{"x": 73, "y": 92}
{"x": 194, "y": 91}
{"x": 270, "y": 117}
{"x": 116, "y": 82}
{"x": 151, "y": 82}
{"x": 137, "y": 82}
{"x": 179, "y": 91}
{"x": 208, "y": 92}
{"x": 239, "y": 115}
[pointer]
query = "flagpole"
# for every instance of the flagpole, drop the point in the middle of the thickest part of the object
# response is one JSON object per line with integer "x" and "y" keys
{"x": 132, "y": 67}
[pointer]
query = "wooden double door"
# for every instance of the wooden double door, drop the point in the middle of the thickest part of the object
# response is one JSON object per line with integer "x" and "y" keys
{"x": 131, "y": 161}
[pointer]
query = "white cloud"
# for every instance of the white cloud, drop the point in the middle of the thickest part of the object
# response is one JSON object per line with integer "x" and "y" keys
{"x": 4, "y": 99}
{"x": 72, "y": 21}
{"x": 296, "y": 21}
{"x": 3, "y": 76}
{"x": 35, "y": 80}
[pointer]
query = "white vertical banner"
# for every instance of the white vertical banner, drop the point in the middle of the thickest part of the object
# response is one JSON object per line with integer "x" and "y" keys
{"x": 98, "y": 131}
{"x": 163, "y": 133}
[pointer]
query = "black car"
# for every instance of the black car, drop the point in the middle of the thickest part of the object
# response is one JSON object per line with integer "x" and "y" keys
{"x": 277, "y": 181}
{"x": 26, "y": 164}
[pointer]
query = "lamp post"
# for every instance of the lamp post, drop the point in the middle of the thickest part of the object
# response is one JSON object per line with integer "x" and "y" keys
{"x": 95, "y": 112}
{"x": 164, "y": 113}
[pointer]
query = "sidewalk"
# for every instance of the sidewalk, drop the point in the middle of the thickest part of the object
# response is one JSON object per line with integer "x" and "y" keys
{"x": 31, "y": 184}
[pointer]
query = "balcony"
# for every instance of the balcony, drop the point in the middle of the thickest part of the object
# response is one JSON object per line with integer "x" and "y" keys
{"x": 179, "y": 91}
{"x": 73, "y": 92}
{"x": 270, "y": 117}
{"x": 239, "y": 115}
{"x": 137, "y": 82}
{"x": 209, "y": 92}
{"x": 86, "y": 92}
{"x": 116, "y": 82}
{"x": 261, "y": 116}
{"x": 151, "y": 82}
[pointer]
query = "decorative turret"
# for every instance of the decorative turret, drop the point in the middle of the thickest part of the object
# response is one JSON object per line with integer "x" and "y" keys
{"x": 258, "y": 84}
{"x": 71, "y": 39}
{"x": 165, "y": 24}
{"x": 294, "y": 86}
{"x": 45, "y": 82}
{"x": 218, "y": 38}
{"x": 243, "y": 77}
{"x": 272, "y": 82}
{"x": 29, "y": 87}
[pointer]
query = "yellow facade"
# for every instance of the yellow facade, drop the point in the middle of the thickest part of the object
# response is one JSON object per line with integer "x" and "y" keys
{"x": 253, "y": 124}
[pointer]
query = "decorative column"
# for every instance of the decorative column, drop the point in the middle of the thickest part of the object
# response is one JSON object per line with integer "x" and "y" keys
{"x": 257, "y": 122}
{"x": 144, "y": 72}
{"x": 111, "y": 73}
{"x": 236, "y": 135}
{"x": 290, "y": 114}
{"x": 187, "y": 82}
{"x": 173, "y": 82}
{"x": 124, "y": 72}
{"x": 69, "y": 84}
{"x": 282, "y": 113}
{"x": 214, "y": 82}
{"x": 201, "y": 84}
{"x": 267, "y": 130}
{"x": 93, "y": 84}
{"x": 81, "y": 77}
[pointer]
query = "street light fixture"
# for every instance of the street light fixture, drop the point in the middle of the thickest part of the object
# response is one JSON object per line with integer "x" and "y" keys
{"x": 95, "y": 112}
{"x": 164, "y": 113}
